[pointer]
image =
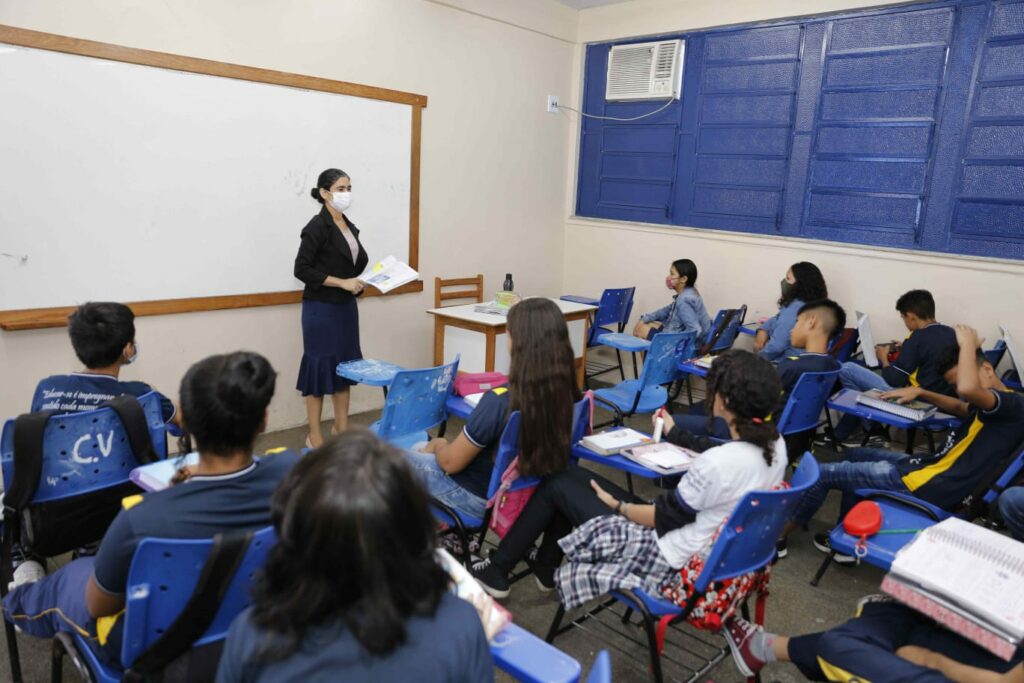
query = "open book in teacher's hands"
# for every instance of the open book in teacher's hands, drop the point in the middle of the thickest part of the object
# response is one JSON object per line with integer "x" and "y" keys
{"x": 387, "y": 274}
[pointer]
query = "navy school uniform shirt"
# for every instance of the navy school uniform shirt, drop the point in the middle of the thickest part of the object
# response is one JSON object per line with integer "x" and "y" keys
{"x": 915, "y": 365}
{"x": 81, "y": 391}
{"x": 448, "y": 647}
{"x": 200, "y": 507}
{"x": 974, "y": 451}
{"x": 483, "y": 429}
{"x": 791, "y": 368}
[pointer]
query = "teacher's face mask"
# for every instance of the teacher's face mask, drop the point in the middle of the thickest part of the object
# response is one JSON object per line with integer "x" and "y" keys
{"x": 341, "y": 200}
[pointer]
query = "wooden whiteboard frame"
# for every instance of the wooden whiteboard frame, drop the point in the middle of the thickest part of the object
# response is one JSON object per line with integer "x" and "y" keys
{"x": 33, "y": 318}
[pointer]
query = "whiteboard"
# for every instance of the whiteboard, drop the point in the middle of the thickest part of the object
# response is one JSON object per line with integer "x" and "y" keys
{"x": 134, "y": 183}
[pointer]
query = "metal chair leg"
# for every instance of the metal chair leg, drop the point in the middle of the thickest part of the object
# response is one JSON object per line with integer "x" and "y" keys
{"x": 629, "y": 482}
{"x": 689, "y": 391}
{"x": 556, "y": 624}
{"x": 12, "y": 651}
{"x": 636, "y": 373}
{"x": 831, "y": 430}
{"x": 931, "y": 439}
{"x": 652, "y": 647}
{"x": 56, "y": 662}
{"x": 911, "y": 438}
{"x": 823, "y": 568}
{"x": 626, "y": 615}
{"x": 622, "y": 370}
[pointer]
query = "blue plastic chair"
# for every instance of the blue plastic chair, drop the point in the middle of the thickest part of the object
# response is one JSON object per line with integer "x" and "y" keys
{"x": 415, "y": 404}
{"x": 906, "y": 512}
{"x": 745, "y": 544}
{"x": 508, "y": 447}
{"x": 612, "y": 310}
{"x": 601, "y": 672}
{"x": 806, "y": 401}
{"x": 1011, "y": 378}
{"x": 525, "y": 657}
{"x": 843, "y": 345}
{"x": 996, "y": 353}
{"x": 163, "y": 575}
{"x": 730, "y": 329}
{"x": 648, "y": 393}
{"x": 84, "y": 454}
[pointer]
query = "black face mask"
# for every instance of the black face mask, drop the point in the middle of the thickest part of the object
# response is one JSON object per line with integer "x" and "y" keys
{"x": 787, "y": 287}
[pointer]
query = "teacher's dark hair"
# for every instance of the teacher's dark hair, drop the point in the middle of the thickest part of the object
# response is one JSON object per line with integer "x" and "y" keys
{"x": 224, "y": 400}
{"x": 542, "y": 384}
{"x": 355, "y": 545}
{"x": 99, "y": 332}
{"x": 324, "y": 182}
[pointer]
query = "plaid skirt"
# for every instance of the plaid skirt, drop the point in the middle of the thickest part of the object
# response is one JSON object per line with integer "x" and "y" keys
{"x": 610, "y": 553}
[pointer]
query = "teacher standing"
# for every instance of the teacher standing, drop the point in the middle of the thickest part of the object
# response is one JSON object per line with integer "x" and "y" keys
{"x": 329, "y": 261}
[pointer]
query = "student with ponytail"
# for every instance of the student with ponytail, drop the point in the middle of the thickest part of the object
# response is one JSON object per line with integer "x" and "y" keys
{"x": 622, "y": 543}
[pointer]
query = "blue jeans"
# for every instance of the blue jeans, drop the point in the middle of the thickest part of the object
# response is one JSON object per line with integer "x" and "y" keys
{"x": 859, "y": 378}
{"x": 443, "y": 487}
{"x": 1011, "y": 507}
{"x": 864, "y": 468}
{"x": 57, "y": 603}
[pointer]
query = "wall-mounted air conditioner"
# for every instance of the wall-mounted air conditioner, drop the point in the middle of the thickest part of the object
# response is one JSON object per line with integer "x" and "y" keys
{"x": 645, "y": 71}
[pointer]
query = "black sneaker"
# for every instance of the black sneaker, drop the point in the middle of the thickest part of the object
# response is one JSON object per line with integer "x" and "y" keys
{"x": 544, "y": 577}
{"x": 781, "y": 548}
{"x": 491, "y": 579}
{"x": 822, "y": 543}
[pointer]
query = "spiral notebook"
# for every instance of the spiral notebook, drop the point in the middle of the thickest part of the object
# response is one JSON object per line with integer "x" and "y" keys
{"x": 915, "y": 411}
{"x": 968, "y": 578}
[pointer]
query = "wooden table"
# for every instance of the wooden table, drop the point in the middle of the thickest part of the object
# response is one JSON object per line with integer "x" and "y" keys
{"x": 479, "y": 338}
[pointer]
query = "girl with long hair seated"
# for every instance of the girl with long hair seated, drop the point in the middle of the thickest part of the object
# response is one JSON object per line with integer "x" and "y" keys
{"x": 352, "y": 590}
{"x": 542, "y": 387}
{"x": 803, "y": 283}
{"x": 620, "y": 542}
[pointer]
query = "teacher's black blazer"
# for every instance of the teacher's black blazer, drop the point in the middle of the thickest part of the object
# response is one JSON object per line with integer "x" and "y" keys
{"x": 324, "y": 251}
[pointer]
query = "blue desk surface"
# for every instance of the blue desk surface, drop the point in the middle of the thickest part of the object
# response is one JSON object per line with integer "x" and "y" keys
{"x": 882, "y": 548}
{"x": 691, "y": 368}
{"x": 456, "y": 405}
{"x": 528, "y": 658}
{"x": 375, "y": 373}
{"x": 845, "y": 401}
{"x": 624, "y": 342}
{"x": 619, "y": 462}
{"x": 577, "y": 299}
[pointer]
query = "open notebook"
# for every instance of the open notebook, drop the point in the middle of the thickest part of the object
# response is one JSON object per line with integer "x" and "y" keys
{"x": 966, "y": 577}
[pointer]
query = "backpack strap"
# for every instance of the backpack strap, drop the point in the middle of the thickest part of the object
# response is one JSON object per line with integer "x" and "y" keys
{"x": 28, "y": 460}
{"x": 508, "y": 477}
{"x": 133, "y": 418}
{"x": 214, "y": 580}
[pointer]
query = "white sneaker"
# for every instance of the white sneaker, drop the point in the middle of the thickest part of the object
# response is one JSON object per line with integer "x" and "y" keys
{"x": 28, "y": 571}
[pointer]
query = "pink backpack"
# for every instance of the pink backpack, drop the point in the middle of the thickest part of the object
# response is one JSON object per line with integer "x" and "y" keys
{"x": 467, "y": 383}
{"x": 508, "y": 505}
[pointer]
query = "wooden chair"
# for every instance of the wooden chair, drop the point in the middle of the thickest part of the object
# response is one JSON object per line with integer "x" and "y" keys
{"x": 476, "y": 292}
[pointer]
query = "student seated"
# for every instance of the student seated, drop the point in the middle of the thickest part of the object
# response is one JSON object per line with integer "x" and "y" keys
{"x": 541, "y": 386}
{"x": 817, "y": 322}
{"x": 224, "y": 403}
{"x": 916, "y": 365}
{"x": 1011, "y": 509}
{"x": 103, "y": 336}
{"x": 686, "y": 313}
{"x": 992, "y": 430}
{"x": 352, "y": 590}
{"x": 803, "y": 283}
{"x": 621, "y": 543}
{"x": 887, "y": 641}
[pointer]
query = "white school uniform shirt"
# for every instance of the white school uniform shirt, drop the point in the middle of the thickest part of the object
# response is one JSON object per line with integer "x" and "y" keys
{"x": 713, "y": 486}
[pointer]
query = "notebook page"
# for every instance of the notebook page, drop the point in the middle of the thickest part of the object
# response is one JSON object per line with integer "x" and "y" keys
{"x": 975, "y": 567}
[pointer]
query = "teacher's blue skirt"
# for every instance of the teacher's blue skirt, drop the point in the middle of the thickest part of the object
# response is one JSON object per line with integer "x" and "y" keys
{"x": 330, "y": 335}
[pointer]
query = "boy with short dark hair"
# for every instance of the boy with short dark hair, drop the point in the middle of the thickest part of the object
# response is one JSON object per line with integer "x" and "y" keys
{"x": 916, "y": 364}
{"x": 103, "y": 336}
{"x": 992, "y": 429}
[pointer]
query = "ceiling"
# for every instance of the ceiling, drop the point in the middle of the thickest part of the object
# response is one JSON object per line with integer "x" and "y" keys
{"x": 586, "y": 4}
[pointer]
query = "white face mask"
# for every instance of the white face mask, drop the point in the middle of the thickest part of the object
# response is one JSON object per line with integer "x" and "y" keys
{"x": 135, "y": 354}
{"x": 341, "y": 200}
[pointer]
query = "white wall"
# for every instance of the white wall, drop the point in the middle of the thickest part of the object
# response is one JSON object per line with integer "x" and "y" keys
{"x": 736, "y": 268}
{"x": 492, "y": 178}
